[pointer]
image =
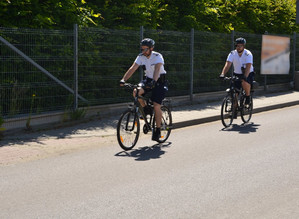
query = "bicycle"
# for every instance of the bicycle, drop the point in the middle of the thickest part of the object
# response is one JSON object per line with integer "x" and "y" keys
{"x": 128, "y": 127}
{"x": 234, "y": 102}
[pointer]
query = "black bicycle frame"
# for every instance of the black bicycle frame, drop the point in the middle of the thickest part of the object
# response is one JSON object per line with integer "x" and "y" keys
{"x": 140, "y": 109}
{"x": 235, "y": 93}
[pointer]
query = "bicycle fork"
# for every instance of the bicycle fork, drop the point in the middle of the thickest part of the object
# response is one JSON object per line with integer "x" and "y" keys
{"x": 128, "y": 128}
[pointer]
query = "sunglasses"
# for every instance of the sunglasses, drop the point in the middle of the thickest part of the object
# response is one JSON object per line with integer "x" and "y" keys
{"x": 144, "y": 50}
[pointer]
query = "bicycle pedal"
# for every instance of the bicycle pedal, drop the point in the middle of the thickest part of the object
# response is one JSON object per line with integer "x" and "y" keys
{"x": 145, "y": 129}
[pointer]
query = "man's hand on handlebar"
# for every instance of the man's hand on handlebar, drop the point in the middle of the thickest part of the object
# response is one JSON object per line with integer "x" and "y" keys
{"x": 122, "y": 82}
{"x": 221, "y": 76}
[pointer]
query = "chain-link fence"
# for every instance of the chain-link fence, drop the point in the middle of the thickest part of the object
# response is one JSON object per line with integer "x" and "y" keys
{"x": 44, "y": 71}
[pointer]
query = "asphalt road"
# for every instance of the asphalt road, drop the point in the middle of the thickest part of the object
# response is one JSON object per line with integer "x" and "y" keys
{"x": 204, "y": 171}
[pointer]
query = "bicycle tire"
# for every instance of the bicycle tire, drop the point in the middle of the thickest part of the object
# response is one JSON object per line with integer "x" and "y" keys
{"x": 227, "y": 111}
{"x": 166, "y": 124}
{"x": 246, "y": 112}
{"x": 128, "y": 129}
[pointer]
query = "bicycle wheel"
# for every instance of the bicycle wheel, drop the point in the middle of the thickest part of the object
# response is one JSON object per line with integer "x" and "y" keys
{"x": 246, "y": 111}
{"x": 166, "y": 124}
{"x": 128, "y": 129}
{"x": 227, "y": 111}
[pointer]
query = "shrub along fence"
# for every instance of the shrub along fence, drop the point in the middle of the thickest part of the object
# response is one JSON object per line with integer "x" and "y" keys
{"x": 48, "y": 71}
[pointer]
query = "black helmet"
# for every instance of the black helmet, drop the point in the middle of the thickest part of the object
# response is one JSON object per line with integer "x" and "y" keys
{"x": 147, "y": 42}
{"x": 240, "y": 41}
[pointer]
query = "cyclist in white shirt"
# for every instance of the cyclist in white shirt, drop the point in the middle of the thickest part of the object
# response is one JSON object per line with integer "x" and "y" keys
{"x": 242, "y": 61}
{"x": 155, "y": 80}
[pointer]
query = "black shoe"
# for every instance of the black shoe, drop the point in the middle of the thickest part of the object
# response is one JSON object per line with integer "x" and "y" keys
{"x": 247, "y": 100}
{"x": 156, "y": 135}
{"x": 235, "y": 115}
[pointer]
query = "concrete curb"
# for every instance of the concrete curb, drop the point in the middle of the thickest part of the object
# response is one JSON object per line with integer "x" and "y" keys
{"x": 217, "y": 117}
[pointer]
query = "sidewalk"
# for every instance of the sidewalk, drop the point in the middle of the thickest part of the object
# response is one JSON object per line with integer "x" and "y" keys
{"x": 23, "y": 147}
{"x": 183, "y": 115}
{"x": 208, "y": 112}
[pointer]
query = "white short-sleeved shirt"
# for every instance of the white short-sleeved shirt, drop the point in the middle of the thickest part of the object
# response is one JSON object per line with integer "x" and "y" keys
{"x": 239, "y": 62}
{"x": 150, "y": 63}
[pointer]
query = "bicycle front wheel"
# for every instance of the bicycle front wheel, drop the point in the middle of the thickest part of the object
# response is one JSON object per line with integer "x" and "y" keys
{"x": 227, "y": 111}
{"x": 166, "y": 124}
{"x": 128, "y": 130}
{"x": 246, "y": 110}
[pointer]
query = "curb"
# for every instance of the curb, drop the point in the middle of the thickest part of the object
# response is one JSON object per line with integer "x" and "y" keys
{"x": 217, "y": 117}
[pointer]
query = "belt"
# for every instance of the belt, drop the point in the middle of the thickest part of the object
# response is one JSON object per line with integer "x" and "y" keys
{"x": 161, "y": 79}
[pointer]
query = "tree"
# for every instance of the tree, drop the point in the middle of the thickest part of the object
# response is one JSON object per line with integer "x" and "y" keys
{"x": 255, "y": 16}
{"x": 47, "y": 14}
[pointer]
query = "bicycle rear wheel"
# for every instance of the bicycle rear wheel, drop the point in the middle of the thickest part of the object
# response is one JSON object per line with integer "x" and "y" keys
{"x": 128, "y": 129}
{"x": 246, "y": 111}
{"x": 166, "y": 124}
{"x": 227, "y": 111}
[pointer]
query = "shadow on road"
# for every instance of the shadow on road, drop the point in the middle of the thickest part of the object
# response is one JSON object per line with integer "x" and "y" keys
{"x": 242, "y": 129}
{"x": 146, "y": 153}
{"x": 91, "y": 128}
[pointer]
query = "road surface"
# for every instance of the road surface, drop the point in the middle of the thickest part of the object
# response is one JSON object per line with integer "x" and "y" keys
{"x": 203, "y": 171}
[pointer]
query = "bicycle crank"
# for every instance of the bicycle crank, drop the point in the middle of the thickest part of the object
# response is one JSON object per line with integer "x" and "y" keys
{"x": 145, "y": 129}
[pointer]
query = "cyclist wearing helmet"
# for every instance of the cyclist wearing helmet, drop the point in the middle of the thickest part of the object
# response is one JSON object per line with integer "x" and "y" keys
{"x": 242, "y": 61}
{"x": 155, "y": 80}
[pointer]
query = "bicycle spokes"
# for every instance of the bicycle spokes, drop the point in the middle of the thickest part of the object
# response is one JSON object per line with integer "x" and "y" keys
{"x": 128, "y": 129}
{"x": 166, "y": 124}
{"x": 227, "y": 111}
{"x": 246, "y": 111}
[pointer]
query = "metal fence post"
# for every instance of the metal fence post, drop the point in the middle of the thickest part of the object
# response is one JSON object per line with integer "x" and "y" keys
{"x": 75, "y": 66}
{"x": 191, "y": 64}
{"x": 233, "y": 39}
{"x": 232, "y": 48}
{"x": 294, "y": 56}
{"x": 141, "y": 38}
{"x": 265, "y": 76}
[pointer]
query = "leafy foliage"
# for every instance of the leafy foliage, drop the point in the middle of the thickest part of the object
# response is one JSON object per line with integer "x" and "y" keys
{"x": 254, "y": 16}
{"x": 106, "y": 53}
{"x": 46, "y": 14}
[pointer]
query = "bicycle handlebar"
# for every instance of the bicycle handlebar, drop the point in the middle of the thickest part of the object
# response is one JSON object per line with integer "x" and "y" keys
{"x": 133, "y": 86}
{"x": 129, "y": 85}
{"x": 233, "y": 78}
